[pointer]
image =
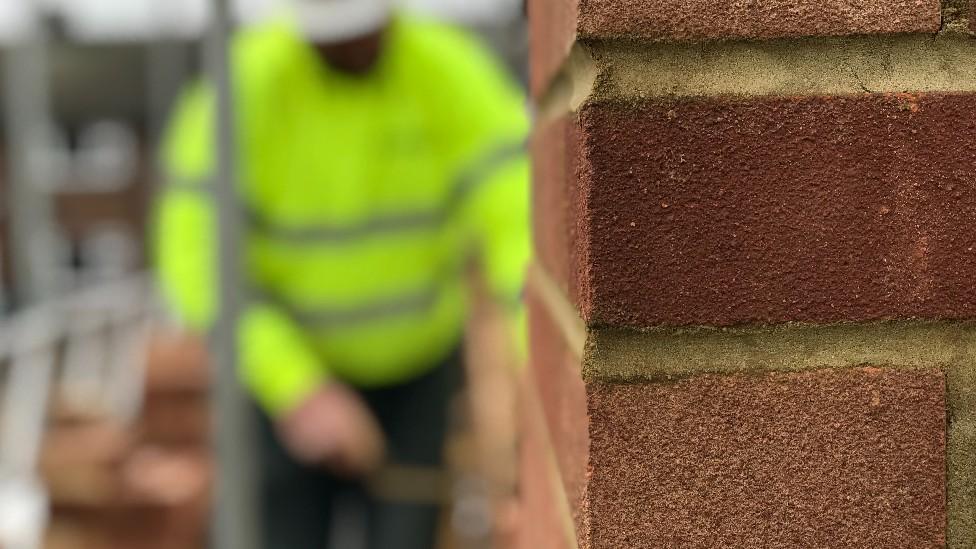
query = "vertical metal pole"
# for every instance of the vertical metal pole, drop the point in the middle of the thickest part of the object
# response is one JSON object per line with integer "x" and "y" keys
{"x": 29, "y": 380}
{"x": 26, "y": 104}
{"x": 24, "y": 415}
{"x": 23, "y": 419}
{"x": 235, "y": 511}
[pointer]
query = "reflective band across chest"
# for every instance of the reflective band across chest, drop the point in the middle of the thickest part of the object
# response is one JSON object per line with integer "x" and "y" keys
{"x": 319, "y": 234}
{"x": 414, "y": 303}
{"x": 418, "y": 220}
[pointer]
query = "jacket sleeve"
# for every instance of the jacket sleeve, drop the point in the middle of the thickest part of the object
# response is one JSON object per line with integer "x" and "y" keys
{"x": 499, "y": 211}
{"x": 495, "y": 182}
{"x": 277, "y": 364}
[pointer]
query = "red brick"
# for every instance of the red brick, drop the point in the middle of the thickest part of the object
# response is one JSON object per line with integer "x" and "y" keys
{"x": 555, "y": 160}
{"x": 542, "y": 520}
{"x": 552, "y": 30}
{"x": 555, "y": 24}
{"x": 556, "y": 376}
{"x": 176, "y": 418}
{"x": 708, "y": 19}
{"x": 851, "y": 458}
{"x": 129, "y": 528}
{"x": 728, "y": 211}
{"x": 177, "y": 361}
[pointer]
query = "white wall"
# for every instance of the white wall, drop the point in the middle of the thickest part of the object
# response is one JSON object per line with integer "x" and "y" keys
{"x": 14, "y": 17}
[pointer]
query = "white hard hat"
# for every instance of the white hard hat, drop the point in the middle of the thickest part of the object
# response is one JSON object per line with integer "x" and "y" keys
{"x": 338, "y": 20}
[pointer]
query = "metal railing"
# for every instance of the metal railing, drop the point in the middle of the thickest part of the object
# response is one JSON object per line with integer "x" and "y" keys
{"x": 86, "y": 353}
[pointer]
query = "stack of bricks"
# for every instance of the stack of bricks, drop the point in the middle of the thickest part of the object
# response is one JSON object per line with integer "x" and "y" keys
{"x": 752, "y": 313}
{"x": 143, "y": 486}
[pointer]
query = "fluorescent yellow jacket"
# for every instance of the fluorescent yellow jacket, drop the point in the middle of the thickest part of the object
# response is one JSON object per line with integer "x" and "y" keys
{"x": 367, "y": 198}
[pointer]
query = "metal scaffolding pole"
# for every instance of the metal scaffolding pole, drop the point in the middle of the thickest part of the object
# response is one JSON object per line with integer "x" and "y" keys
{"x": 236, "y": 506}
{"x": 26, "y": 104}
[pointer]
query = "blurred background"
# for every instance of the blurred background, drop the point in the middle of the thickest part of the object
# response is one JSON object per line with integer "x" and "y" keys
{"x": 105, "y": 404}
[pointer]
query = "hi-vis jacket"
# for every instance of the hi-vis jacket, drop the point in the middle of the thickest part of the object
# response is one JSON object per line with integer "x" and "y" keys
{"x": 367, "y": 196}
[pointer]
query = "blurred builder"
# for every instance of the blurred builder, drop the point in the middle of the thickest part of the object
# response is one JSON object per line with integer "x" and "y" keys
{"x": 379, "y": 155}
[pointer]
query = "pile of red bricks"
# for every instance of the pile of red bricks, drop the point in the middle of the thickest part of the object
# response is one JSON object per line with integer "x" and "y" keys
{"x": 145, "y": 486}
{"x": 753, "y": 307}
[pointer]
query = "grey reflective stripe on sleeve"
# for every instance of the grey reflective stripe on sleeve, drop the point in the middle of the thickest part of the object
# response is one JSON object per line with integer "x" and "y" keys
{"x": 408, "y": 221}
{"x": 410, "y": 302}
{"x": 479, "y": 172}
{"x": 201, "y": 187}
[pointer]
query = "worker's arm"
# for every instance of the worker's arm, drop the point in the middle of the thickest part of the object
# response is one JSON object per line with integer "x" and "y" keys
{"x": 276, "y": 363}
{"x": 496, "y": 183}
{"x": 499, "y": 213}
{"x": 321, "y": 423}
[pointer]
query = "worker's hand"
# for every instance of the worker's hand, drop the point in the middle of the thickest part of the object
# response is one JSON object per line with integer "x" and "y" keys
{"x": 333, "y": 427}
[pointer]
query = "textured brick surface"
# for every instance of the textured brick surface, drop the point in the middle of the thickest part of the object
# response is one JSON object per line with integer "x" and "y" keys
{"x": 815, "y": 209}
{"x": 958, "y": 15}
{"x": 628, "y": 356}
{"x": 834, "y": 458}
{"x": 708, "y": 19}
{"x": 555, "y": 24}
{"x": 555, "y": 160}
{"x": 552, "y": 29}
{"x": 809, "y": 66}
{"x": 129, "y": 528}
{"x": 177, "y": 417}
{"x": 177, "y": 362}
{"x": 556, "y": 376}
{"x": 543, "y": 523}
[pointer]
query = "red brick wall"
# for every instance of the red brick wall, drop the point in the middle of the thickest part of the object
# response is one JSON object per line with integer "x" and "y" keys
{"x": 706, "y": 19}
{"x": 811, "y": 209}
{"x": 761, "y": 220}
{"x": 555, "y": 380}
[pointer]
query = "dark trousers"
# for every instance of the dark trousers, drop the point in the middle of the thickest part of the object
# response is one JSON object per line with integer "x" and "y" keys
{"x": 307, "y": 508}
